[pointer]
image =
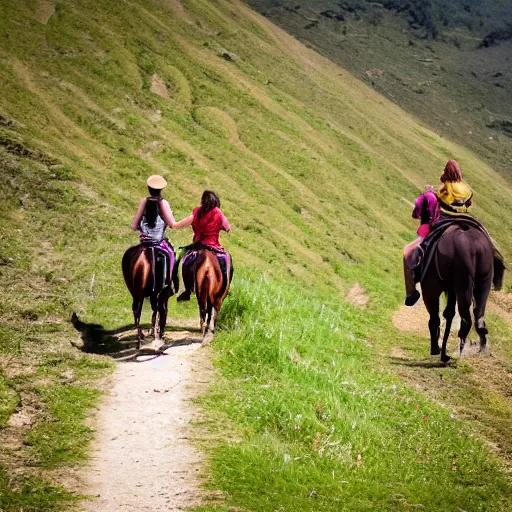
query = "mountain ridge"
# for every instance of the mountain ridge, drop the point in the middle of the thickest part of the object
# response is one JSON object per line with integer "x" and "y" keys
{"x": 456, "y": 82}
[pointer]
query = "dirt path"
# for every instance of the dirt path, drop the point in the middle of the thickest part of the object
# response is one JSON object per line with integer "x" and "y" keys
{"x": 143, "y": 458}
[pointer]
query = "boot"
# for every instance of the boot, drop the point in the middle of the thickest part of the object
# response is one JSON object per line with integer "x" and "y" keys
{"x": 184, "y": 296}
{"x": 412, "y": 295}
{"x": 187, "y": 270}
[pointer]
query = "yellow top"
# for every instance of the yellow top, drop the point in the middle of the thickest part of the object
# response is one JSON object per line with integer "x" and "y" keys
{"x": 455, "y": 197}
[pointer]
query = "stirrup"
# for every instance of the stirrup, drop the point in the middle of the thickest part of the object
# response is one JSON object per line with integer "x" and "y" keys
{"x": 411, "y": 299}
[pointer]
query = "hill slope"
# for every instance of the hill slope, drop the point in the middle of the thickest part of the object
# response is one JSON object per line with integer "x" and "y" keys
{"x": 312, "y": 167}
{"x": 445, "y": 61}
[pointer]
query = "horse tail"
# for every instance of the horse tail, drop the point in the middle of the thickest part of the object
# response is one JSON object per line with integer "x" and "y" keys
{"x": 202, "y": 278}
{"x": 215, "y": 278}
{"x": 136, "y": 268}
{"x": 499, "y": 270}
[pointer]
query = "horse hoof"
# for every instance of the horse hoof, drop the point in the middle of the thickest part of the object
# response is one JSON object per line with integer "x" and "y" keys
{"x": 435, "y": 351}
{"x": 483, "y": 350}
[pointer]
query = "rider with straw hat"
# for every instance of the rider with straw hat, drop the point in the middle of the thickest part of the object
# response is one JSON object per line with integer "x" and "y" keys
{"x": 154, "y": 213}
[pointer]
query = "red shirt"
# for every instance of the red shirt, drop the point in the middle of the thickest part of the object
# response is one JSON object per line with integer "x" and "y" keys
{"x": 207, "y": 228}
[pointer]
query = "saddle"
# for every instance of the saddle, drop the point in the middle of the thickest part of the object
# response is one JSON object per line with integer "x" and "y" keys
{"x": 221, "y": 258}
{"x": 423, "y": 255}
{"x": 161, "y": 260}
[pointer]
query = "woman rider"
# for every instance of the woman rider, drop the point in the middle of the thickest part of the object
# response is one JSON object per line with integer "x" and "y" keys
{"x": 453, "y": 197}
{"x": 426, "y": 209}
{"x": 453, "y": 194}
{"x": 153, "y": 216}
{"x": 207, "y": 222}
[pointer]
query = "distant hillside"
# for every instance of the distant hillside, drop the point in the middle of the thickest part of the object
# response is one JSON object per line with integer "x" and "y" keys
{"x": 447, "y": 61}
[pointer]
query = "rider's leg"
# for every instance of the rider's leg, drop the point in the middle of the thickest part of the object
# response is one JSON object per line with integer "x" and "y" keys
{"x": 412, "y": 295}
{"x": 187, "y": 270}
{"x": 221, "y": 258}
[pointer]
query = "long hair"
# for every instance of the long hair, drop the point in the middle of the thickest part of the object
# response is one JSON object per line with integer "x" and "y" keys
{"x": 209, "y": 201}
{"x": 152, "y": 209}
{"x": 451, "y": 172}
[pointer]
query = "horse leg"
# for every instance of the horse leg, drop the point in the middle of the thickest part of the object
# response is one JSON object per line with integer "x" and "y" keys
{"x": 202, "y": 286}
{"x": 209, "y": 313}
{"x": 448, "y": 313}
{"x": 481, "y": 294}
{"x": 216, "y": 309}
{"x": 205, "y": 311}
{"x": 431, "y": 301}
{"x": 137, "y": 311}
{"x": 154, "y": 308}
{"x": 214, "y": 319}
{"x": 202, "y": 317}
{"x": 464, "y": 304}
{"x": 163, "y": 299}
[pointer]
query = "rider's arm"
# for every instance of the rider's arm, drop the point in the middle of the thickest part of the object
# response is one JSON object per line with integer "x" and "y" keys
{"x": 225, "y": 223}
{"x": 469, "y": 195}
{"x": 138, "y": 215}
{"x": 167, "y": 215}
{"x": 183, "y": 223}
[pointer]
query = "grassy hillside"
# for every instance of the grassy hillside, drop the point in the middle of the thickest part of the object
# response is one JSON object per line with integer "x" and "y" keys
{"x": 314, "y": 170}
{"x": 446, "y": 61}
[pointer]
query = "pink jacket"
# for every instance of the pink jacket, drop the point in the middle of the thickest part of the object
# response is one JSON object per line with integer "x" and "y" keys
{"x": 426, "y": 208}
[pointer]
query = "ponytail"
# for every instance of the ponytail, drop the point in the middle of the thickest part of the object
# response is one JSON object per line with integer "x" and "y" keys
{"x": 152, "y": 210}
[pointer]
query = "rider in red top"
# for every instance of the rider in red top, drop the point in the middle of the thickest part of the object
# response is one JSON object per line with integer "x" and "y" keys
{"x": 207, "y": 222}
{"x": 207, "y": 226}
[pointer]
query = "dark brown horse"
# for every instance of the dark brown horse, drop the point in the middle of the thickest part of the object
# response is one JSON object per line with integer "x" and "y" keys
{"x": 147, "y": 272}
{"x": 464, "y": 267}
{"x": 211, "y": 288}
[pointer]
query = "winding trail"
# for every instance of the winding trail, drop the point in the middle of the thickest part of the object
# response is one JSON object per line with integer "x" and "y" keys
{"x": 143, "y": 458}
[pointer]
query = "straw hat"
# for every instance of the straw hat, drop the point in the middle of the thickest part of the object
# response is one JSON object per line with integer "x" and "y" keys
{"x": 157, "y": 182}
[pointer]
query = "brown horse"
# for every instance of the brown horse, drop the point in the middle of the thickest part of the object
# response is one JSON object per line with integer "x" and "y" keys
{"x": 211, "y": 288}
{"x": 464, "y": 267}
{"x": 146, "y": 275}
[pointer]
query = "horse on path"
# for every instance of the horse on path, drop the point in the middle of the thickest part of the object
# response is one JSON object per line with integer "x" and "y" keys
{"x": 147, "y": 272}
{"x": 211, "y": 286}
{"x": 464, "y": 265}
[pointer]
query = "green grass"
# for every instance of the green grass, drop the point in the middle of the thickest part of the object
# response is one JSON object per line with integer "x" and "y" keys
{"x": 63, "y": 438}
{"x": 32, "y": 495}
{"x": 319, "y": 427}
{"x": 313, "y": 188}
{"x": 9, "y": 400}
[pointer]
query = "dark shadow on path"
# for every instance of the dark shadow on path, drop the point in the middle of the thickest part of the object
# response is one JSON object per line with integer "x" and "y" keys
{"x": 120, "y": 343}
{"x": 433, "y": 363}
{"x": 96, "y": 339}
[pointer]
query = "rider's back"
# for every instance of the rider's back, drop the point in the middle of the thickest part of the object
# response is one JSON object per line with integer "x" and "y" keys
{"x": 151, "y": 226}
